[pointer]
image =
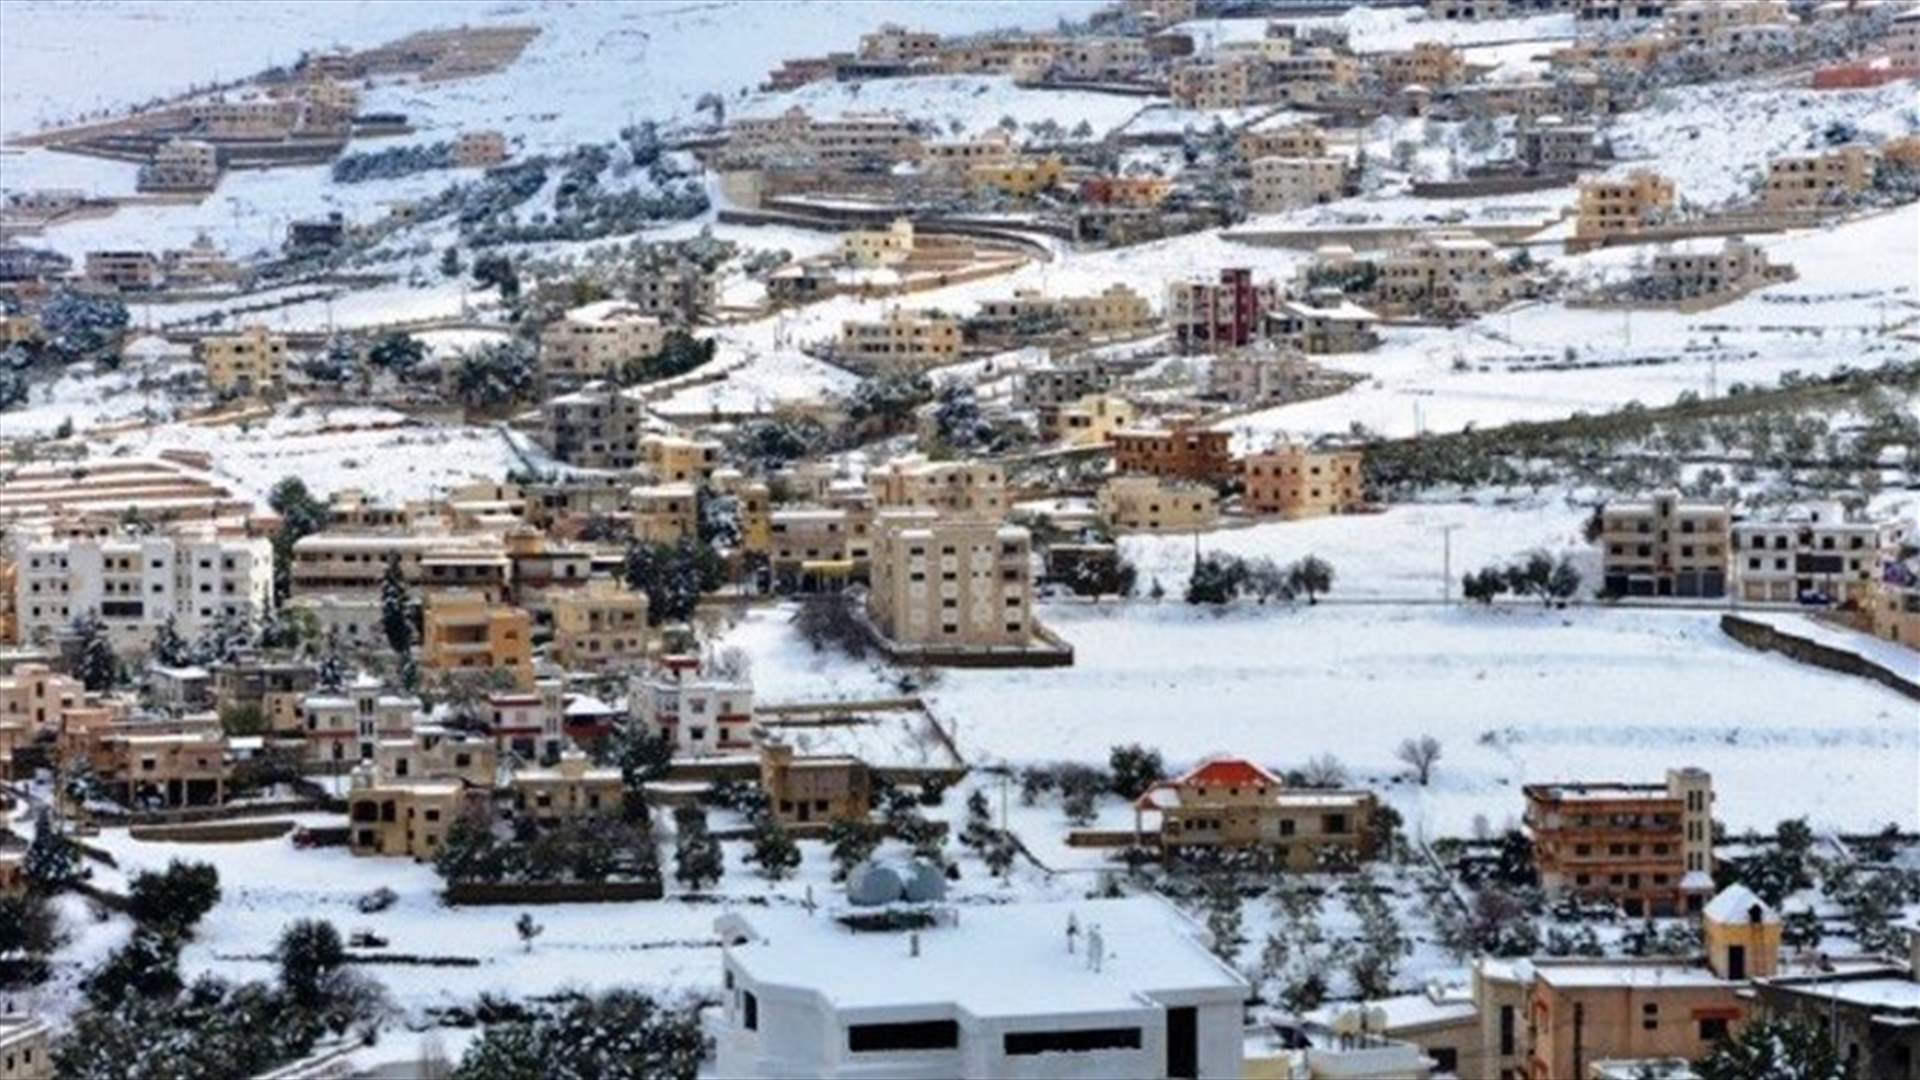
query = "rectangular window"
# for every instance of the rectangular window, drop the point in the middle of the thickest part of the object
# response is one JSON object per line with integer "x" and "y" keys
{"x": 750, "y": 1011}
{"x": 914, "y": 1035}
{"x": 1067, "y": 1042}
{"x": 1712, "y": 1029}
{"x": 1506, "y": 1031}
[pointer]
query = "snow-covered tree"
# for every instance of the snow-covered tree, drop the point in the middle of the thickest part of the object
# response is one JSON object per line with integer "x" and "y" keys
{"x": 696, "y": 854}
{"x": 52, "y": 861}
{"x": 98, "y": 667}
{"x": 774, "y": 851}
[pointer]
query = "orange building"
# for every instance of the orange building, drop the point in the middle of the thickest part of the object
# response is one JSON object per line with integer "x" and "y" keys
{"x": 1184, "y": 449}
{"x": 1647, "y": 846}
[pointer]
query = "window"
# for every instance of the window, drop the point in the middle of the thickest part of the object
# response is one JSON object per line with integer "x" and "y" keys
{"x": 750, "y": 1011}
{"x": 1649, "y": 1016}
{"x": 1712, "y": 1029}
{"x": 912, "y": 1035}
{"x": 1506, "y": 1031}
{"x": 1067, "y": 1042}
{"x": 1445, "y": 1059}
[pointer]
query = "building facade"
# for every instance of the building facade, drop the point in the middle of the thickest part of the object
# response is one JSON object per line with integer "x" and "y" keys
{"x": 1647, "y": 846}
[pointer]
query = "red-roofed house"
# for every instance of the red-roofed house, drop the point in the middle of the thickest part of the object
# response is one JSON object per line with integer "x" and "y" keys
{"x": 1232, "y": 802}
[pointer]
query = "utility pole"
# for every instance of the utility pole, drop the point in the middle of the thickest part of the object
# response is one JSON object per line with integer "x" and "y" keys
{"x": 1446, "y": 563}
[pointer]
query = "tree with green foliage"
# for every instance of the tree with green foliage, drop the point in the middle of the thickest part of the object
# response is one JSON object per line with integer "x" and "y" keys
{"x": 1134, "y": 769}
{"x": 399, "y": 352}
{"x": 1787, "y": 1049}
{"x": 147, "y": 966}
{"x": 774, "y": 851}
{"x": 618, "y": 1035}
{"x": 169, "y": 648}
{"x": 396, "y": 615}
{"x": 853, "y": 842}
{"x": 52, "y": 862}
{"x": 697, "y": 862}
{"x": 309, "y": 952}
{"x": 1216, "y": 579}
{"x": 491, "y": 271}
{"x": 96, "y": 665}
{"x": 1224, "y": 934}
{"x": 173, "y": 900}
{"x": 1312, "y": 576}
{"x": 301, "y": 515}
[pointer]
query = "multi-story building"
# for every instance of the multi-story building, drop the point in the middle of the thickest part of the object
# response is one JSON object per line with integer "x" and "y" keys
{"x": 1210, "y": 315}
{"x": 702, "y": 709}
{"x": 1550, "y": 145}
{"x": 1893, "y": 606}
{"x": 1431, "y": 64}
{"x": 893, "y": 43}
{"x": 1308, "y": 75}
{"x": 344, "y": 726}
{"x": 26, "y": 1048}
{"x": 33, "y": 695}
{"x": 529, "y": 724}
{"x": 1467, "y": 10}
{"x": 1228, "y": 802}
{"x": 1126, "y": 192}
{"x": 271, "y": 688}
{"x": 1017, "y": 178}
{"x": 1818, "y": 554}
{"x": 1690, "y": 274}
{"x": 405, "y": 798}
{"x": 249, "y": 363}
{"x": 1702, "y": 22}
{"x": 1101, "y": 59}
{"x": 1902, "y": 41}
{"x": 990, "y": 147}
{"x": 950, "y": 488}
{"x": 602, "y": 623}
{"x": 1259, "y": 374}
{"x": 813, "y": 789}
{"x": 1647, "y": 846}
{"x": 128, "y": 271}
{"x": 900, "y": 341}
{"x": 1580, "y": 1012}
{"x": 1617, "y": 10}
{"x": 680, "y": 293}
{"x": 674, "y": 459}
{"x": 1294, "y": 140}
{"x": 571, "y": 789}
{"x": 1116, "y": 311}
{"x": 479, "y": 149}
{"x": 1618, "y": 207}
{"x": 1288, "y": 183}
{"x": 1870, "y": 1017}
{"x": 163, "y": 765}
{"x": 1804, "y": 181}
{"x": 862, "y": 140}
{"x": 1183, "y": 449}
{"x": 1444, "y": 272}
{"x": 1091, "y": 988}
{"x": 355, "y": 564}
{"x": 952, "y": 584}
{"x": 594, "y": 341}
{"x": 189, "y": 165}
{"x": 195, "y": 576}
{"x": 1224, "y": 83}
{"x": 878, "y": 247}
{"x": 664, "y": 513}
{"x": 1090, "y": 421}
{"x": 1158, "y": 504}
{"x": 1665, "y": 547}
{"x": 463, "y": 631}
{"x": 597, "y": 427}
{"x": 1317, "y": 327}
{"x": 1294, "y": 481}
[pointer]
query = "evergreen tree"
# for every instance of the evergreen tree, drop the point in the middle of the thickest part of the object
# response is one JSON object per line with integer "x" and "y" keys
{"x": 332, "y": 673}
{"x": 1789, "y": 1049}
{"x": 1134, "y": 769}
{"x": 173, "y": 900}
{"x": 853, "y": 842}
{"x": 399, "y": 352}
{"x": 1223, "y": 916}
{"x": 52, "y": 861}
{"x": 470, "y": 852}
{"x": 169, "y": 648}
{"x": 774, "y": 850}
{"x": 696, "y": 854}
{"x": 619, "y": 1035}
{"x": 147, "y": 966}
{"x": 450, "y": 262}
{"x": 309, "y": 952}
{"x": 98, "y": 667}
{"x": 644, "y": 755}
{"x": 978, "y": 831}
{"x": 396, "y": 621}
{"x": 301, "y": 515}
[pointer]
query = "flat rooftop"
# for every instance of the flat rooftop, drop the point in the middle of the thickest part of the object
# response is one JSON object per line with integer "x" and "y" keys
{"x": 995, "y": 960}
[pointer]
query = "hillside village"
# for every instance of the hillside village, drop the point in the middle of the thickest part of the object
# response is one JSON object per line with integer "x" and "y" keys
{"x": 1284, "y": 539}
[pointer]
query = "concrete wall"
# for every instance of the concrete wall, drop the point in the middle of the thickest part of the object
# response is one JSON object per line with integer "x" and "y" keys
{"x": 1759, "y": 635}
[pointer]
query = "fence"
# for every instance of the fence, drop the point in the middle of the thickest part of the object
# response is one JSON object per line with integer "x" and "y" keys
{"x": 1759, "y": 635}
{"x": 483, "y": 893}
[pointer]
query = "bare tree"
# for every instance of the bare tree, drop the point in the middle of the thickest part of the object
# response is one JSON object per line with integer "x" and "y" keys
{"x": 1420, "y": 754}
{"x": 1324, "y": 771}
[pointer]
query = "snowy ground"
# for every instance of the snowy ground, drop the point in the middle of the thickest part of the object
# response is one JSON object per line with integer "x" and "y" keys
{"x": 1516, "y": 695}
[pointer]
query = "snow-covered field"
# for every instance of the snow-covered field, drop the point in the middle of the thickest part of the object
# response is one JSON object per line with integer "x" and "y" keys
{"x": 1516, "y": 696}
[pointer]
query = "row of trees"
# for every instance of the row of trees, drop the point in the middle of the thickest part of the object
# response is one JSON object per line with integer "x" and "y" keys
{"x": 1219, "y": 578}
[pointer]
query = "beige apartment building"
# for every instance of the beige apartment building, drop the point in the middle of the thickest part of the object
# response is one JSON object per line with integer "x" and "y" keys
{"x": 1902, "y": 41}
{"x": 896, "y": 44}
{"x": 600, "y": 623}
{"x": 1092, "y": 420}
{"x": 1292, "y": 141}
{"x": 347, "y": 725}
{"x": 900, "y": 341}
{"x": 674, "y": 459}
{"x": 1116, "y": 311}
{"x": 1689, "y": 274}
{"x": 1100, "y": 59}
{"x": 596, "y": 340}
{"x": 355, "y": 564}
{"x": 33, "y": 695}
{"x": 1318, "y": 327}
{"x": 878, "y": 247}
{"x": 953, "y": 585}
{"x": 1816, "y": 554}
{"x": 169, "y": 767}
{"x": 597, "y": 427}
{"x": 1429, "y": 63}
{"x": 813, "y": 789}
{"x": 465, "y": 632}
{"x": 26, "y": 1044}
{"x": 680, "y": 293}
{"x": 1158, "y": 504}
{"x": 571, "y": 789}
{"x": 991, "y": 147}
{"x": 1289, "y": 183}
{"x": 1665, "y": 547}
{"x": 1893, "y": 605}
{"x": 950, "y": 488}
{"x": 1259, "y": 374}
{"x": 1806, "y": 181}
{"x": 1017, "y": 178}
{"x": 1293, "y": 481}
{"x": 251, "y": 363}
{"x": 1228, "y": 802}
{"x": 1617, "y": 207}
{"x": 664, "y": 513}
{"x": 1647, "y": 846}
{"x": 406, "y": 817}
{"x": 1444, "y": 272}
{"x": 128, "y": 271}
{"x": 1226, "y": 83}
{"x": 188, "y": 165}
{"x": 1699, "y": 22}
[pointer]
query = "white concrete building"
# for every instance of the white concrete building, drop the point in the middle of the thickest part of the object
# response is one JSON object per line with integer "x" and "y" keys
{"x": 1089, "y": 988}
{"x": 135, "y": 583}
{"x": 701, "y": 710}
{"x": 1810, "y": 555}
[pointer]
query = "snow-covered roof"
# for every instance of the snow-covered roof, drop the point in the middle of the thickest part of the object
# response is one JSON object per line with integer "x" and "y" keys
{"x": 1404, "y": 1012}
{"x": 605, "y": 311}
{"x": 1739, "y": 904}
{"x": 1625, "y": 974}
{"x": 989, "y": 960}
{"x": 1887, "y": 992}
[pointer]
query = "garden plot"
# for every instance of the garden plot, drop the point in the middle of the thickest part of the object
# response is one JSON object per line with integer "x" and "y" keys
{"x": 1516, "y": 695}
